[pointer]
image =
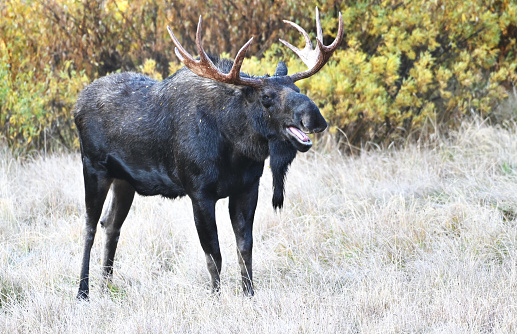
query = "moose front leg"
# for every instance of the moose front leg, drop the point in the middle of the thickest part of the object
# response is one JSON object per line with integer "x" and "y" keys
{"x": 242, "y": 212}
{"x": 204, "y": 216}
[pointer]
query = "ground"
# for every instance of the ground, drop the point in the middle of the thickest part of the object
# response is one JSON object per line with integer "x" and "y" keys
{"x": 417, "y": 239}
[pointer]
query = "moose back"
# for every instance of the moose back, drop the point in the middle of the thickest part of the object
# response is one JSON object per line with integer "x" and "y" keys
{"x": 204, "y": 132}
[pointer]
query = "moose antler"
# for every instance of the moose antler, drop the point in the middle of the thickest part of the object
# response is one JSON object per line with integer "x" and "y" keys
{"x": 204, "y": 67}
{"x": 316, "y": 58}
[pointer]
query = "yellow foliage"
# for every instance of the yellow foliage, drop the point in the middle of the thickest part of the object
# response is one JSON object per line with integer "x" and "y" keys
{"x": 403, "y": 64}
{"x": 415, "y": 61}
{"x": 149, "y": 69}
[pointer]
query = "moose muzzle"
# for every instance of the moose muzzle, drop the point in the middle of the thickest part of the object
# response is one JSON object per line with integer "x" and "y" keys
{"x": 306, "y": 119}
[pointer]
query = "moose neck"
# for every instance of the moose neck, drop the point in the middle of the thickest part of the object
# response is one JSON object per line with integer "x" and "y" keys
{"x": 240, "y": 120}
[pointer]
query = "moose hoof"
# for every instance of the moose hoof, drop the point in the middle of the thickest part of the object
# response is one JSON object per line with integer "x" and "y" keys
{"x": 83, "y": 295}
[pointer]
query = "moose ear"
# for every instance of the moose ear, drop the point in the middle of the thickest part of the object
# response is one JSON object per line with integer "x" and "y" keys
{"x": 281, "y": 69}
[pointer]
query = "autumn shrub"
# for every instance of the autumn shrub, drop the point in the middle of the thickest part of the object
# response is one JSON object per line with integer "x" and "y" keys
{"x": 414, "y": 67}
{"x": 34, "y": 106}
{"x": 407, "y": 67}
{"x": 51, "y": 49}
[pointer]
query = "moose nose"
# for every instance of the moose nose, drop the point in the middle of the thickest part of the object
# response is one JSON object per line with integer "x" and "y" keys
{"x": 323, "y": 125}
{"x": 308, "y": 116}
{"x": 314, "y": 124}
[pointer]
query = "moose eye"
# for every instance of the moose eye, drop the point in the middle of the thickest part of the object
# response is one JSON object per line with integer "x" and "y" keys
{"x": 267, "y": 99}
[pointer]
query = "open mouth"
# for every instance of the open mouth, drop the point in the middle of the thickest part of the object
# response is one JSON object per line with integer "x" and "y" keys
{"x": 299, "y": 135}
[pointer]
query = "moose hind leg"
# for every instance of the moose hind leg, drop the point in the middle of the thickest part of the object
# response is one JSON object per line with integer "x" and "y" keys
{"x": 122, "y": 194}
{"x": 96, "y": 188}
{"x": 242, "y": 212}
{"x": 204, "y": 216}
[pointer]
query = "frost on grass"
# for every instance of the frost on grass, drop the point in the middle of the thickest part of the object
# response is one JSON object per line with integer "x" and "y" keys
{"x": 421, "y": 239}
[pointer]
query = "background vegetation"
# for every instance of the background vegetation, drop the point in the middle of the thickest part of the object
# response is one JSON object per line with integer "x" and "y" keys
{"x": 417, "y": 239}
{"x": 407, "y": 68}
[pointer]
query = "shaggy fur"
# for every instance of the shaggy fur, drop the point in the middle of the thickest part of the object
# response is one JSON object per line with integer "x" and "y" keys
{"x": 188, "y": 135}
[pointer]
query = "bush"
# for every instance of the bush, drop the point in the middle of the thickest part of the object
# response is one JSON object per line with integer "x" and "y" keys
{"x": 406, "y": 68}
{"x": 414, "y": 66}
{"x": 36, "y": 104}
{"x": 51, "y": 49}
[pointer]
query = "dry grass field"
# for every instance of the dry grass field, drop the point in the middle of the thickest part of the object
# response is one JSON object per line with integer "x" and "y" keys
{"x": 412, "y": 240}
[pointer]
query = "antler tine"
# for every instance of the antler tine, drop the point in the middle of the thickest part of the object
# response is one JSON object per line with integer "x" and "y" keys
{"x": 339, "y": 36}
{"x": 303, "y": 32}
{"x": 237, "y": 63}
{"x": 181, "y": 53}
{"x": 317, "y": 58}
{"x": 319, "y": 32}
{"x": 303, "y": 54}
{"x": 202, "y": 54}
{"x": 204, "y": 67}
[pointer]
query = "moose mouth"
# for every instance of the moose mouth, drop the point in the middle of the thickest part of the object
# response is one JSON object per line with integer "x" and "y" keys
{"x": 299, "y": 136}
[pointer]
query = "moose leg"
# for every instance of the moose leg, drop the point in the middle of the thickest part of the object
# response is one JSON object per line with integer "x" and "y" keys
{"x": 242, "y": 211}
{"x": 121, "y": 200}
{"x": 96, "y": 189}
{"x": 204, "y": 216}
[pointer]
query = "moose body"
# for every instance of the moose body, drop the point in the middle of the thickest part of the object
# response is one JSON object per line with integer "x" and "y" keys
{"x": 190, "y": 134}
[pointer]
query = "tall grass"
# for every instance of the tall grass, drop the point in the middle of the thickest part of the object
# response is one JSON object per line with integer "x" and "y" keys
{"x": 420, "y": 239}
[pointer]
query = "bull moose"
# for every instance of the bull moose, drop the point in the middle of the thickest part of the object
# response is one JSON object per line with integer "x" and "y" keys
{"x": 205, "y": 131}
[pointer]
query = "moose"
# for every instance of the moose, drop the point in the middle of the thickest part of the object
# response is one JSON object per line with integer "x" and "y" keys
{"x": 205, "y": 131}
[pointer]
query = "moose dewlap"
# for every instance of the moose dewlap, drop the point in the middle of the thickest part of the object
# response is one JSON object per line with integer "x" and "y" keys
{"x": 169, "y": 138}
